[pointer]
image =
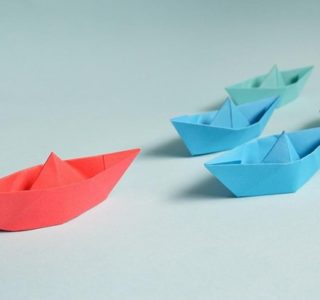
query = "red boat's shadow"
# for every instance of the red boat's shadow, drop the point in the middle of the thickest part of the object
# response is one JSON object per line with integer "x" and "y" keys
{"x": 170, "y": 148}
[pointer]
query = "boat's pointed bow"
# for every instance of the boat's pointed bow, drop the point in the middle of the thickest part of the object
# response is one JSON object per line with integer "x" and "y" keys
{"x": 132, "y": 153}
{"x": 306, "y": 72}
{"x": 126, "y": 157}
{"x": 301, "y": 75}
{"x": 309, "y": 69}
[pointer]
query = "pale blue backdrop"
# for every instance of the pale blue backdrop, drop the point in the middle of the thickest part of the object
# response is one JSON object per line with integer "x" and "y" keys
{"x": 85, "y": 77}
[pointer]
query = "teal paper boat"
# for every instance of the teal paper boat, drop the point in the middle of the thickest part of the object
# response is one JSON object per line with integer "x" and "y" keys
{"x": 286, "y": 84}
{"x": 272, "y": 165}
{"x": 226, "y": 128}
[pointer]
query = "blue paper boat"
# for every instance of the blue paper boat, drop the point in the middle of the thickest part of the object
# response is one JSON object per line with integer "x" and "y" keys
{"x": 286, "y": 84}
{"x": 226, "y": 128}
{"x": 272, "y": 165}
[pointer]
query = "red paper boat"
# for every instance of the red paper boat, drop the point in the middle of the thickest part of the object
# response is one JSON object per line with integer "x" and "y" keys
{"x": 58, "y": 191}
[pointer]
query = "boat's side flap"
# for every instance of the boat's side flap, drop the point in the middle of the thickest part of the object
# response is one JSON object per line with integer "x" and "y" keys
{"x": 19, "y": 181}
{"x": 91, "y": 166}
{"x": 281, "y": 151}
{"x": 254, "y": 111}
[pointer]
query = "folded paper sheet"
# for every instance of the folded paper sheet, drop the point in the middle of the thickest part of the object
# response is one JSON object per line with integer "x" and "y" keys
{"x": 286, "y": 84}
{"x": 226, "y": 128}
{"x": 273, "y": 165}
{"x": 58, "y": 191}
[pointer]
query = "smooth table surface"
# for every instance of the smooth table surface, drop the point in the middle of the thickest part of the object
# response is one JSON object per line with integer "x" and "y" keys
{"x": 87, "y": 77}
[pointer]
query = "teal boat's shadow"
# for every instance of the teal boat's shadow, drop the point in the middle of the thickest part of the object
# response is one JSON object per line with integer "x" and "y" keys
{"x": 207, "y": 188}
{"x": 173, "y": 147}
{"x": 215, "y": 105}
{"x": 312, "y": 123}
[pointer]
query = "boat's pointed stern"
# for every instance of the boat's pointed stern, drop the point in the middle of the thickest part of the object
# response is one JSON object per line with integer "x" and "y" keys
{"x": 226, "y": 168}
{"x": 223, "y": 172}
{"x": 187, "y": 132}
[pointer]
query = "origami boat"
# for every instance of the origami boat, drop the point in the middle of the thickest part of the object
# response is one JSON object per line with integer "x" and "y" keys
{"x": 273, "y": 165}
{"x": 286, "y": 84}
{"x": 226, "y": 128}
{"x": 58, "y": 191}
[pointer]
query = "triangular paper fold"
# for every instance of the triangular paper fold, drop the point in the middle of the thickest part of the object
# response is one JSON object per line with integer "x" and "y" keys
{"x": 56, "y": 172}
{"x": 281, "y": 151}
{"x": 273, "y": 79}
{"x": 229, "y": 116}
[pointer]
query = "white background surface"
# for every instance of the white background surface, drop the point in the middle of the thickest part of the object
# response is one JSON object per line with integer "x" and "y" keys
{"x": 87, "y": 77}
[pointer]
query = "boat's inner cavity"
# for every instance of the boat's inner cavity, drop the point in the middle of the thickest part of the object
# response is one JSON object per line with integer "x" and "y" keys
{"x": 256, "y": 83}
{"x": 293, "y": 80}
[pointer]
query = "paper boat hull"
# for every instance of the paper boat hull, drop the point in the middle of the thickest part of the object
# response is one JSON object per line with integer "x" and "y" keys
{"x": 266, "y": 178}
{"x": 246, "y": 181}
{"x": 244, "y": 92}
{"x": 201, "y": 140}
{"x": 31, "y": 209}
{"x": 206, "y": 140}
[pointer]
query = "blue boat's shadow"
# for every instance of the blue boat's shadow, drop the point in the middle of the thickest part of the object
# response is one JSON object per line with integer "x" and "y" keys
{"x": 170, "y": 148}
{"x": 174, "y": 147}
{"x": 208, "y": 188}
